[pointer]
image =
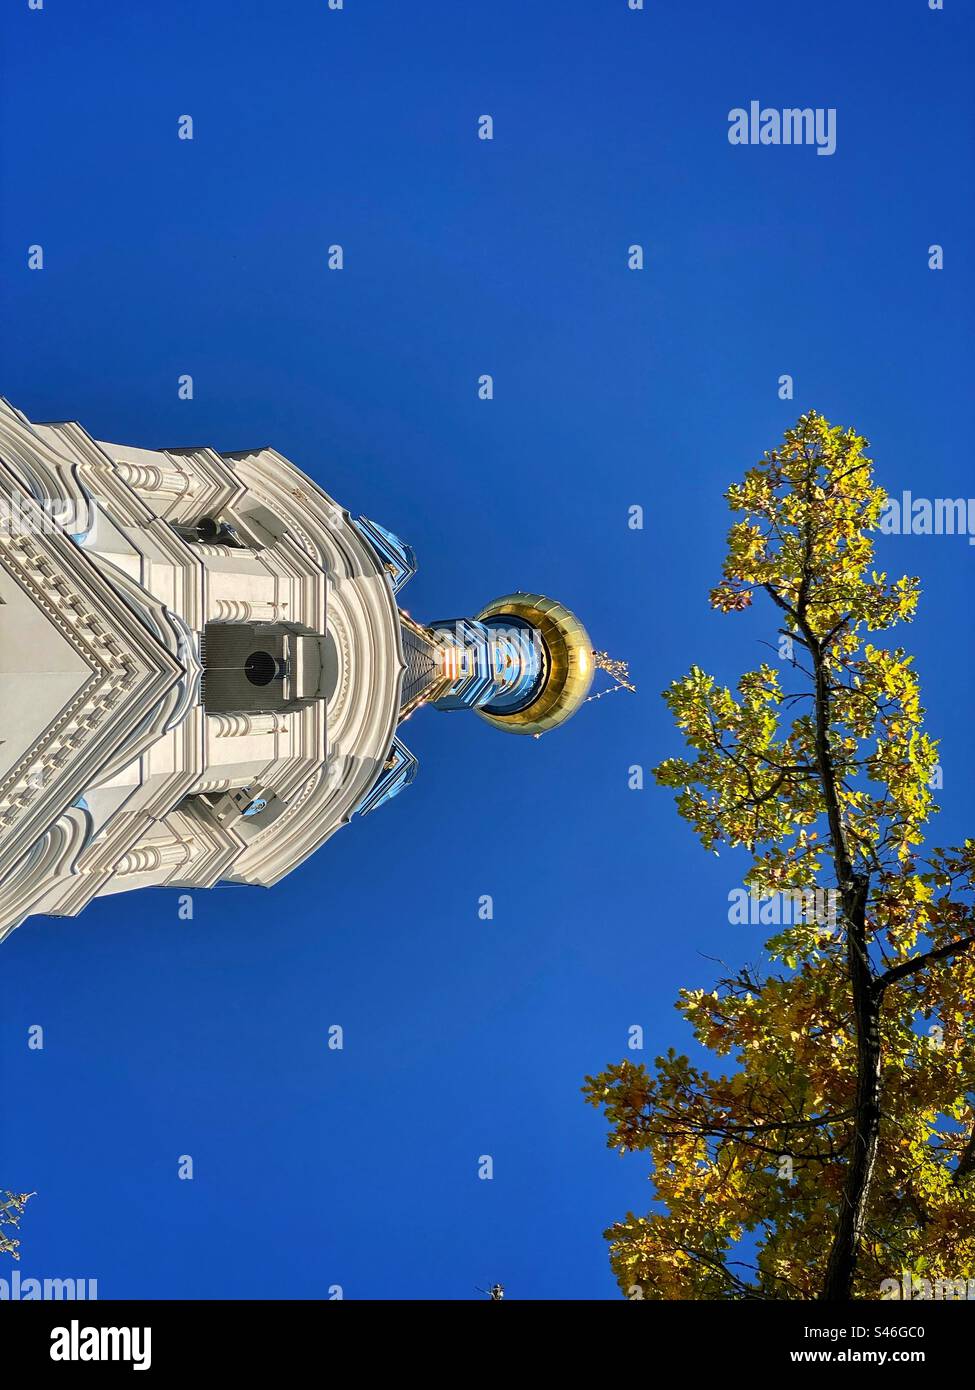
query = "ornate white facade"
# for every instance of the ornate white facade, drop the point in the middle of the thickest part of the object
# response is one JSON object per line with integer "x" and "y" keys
{"x": 203, "y": 666}
{"x": 115, "y": 772}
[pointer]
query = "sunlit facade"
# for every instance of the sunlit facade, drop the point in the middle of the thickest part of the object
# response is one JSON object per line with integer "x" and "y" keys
{"x": 205, "y": 665}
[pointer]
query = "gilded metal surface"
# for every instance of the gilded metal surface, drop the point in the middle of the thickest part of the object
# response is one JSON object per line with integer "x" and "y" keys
{"x": 568, "y": 661}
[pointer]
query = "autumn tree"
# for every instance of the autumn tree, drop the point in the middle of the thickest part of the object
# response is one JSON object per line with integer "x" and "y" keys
{"x": 835, "y": 1148}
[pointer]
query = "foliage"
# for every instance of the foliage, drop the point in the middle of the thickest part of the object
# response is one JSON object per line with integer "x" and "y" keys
{"x": 834, "y": 1150}
{"x": 12, "y": 1206}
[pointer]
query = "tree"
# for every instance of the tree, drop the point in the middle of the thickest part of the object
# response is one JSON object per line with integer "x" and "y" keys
{"x": 12, "y": 1206}
{"x": 839, "y": 1152}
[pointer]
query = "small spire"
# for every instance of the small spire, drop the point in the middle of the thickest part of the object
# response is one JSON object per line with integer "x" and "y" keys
{"x": 619, "y": 670}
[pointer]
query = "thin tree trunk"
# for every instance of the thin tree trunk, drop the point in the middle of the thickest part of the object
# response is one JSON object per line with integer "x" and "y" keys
{"x": 853, "y": 887}
{"x": 847, "y": 1237}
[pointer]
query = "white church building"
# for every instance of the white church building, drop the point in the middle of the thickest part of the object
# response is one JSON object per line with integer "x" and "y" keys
{"x": 203, "y": 667}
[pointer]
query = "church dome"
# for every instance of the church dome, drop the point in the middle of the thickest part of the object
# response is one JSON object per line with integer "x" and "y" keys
{"x": 568, "y": 662}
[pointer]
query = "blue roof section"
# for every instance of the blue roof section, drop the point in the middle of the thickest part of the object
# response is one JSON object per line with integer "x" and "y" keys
{"x": 396, "y": 555}
{"x": 399, "y": 772}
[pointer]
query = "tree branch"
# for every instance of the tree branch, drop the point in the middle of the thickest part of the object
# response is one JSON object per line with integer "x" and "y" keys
{"x": 916, "y": 964}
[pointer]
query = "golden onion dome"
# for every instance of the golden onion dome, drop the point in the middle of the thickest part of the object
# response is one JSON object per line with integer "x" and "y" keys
{"x": 568, "y": 663}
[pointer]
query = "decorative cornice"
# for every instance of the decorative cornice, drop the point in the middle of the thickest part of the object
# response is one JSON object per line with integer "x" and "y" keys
{"x": 131, "y": 671}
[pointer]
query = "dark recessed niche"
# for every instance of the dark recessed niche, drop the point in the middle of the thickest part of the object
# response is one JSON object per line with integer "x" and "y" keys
{"x": 260, "y": 668}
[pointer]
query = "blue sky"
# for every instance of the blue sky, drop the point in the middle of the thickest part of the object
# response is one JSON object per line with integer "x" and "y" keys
{"x": 358, "y": 1168}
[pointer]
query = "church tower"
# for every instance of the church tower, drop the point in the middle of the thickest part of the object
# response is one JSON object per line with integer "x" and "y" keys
{"x": 204, "y": 667}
